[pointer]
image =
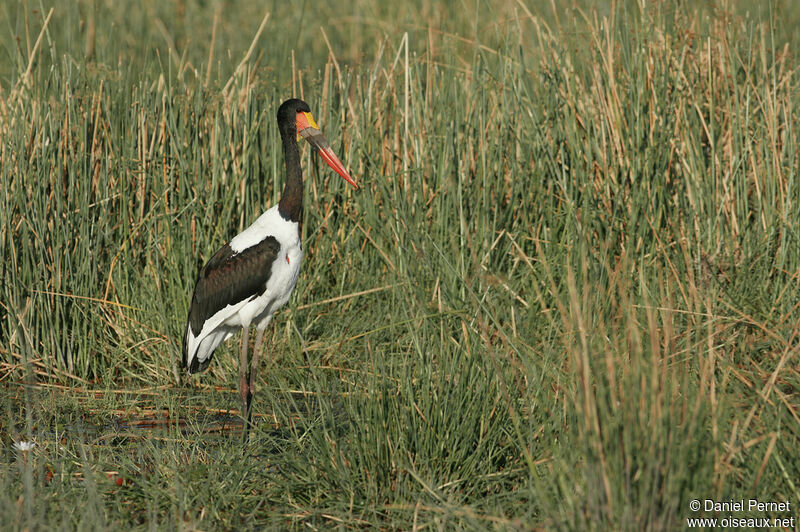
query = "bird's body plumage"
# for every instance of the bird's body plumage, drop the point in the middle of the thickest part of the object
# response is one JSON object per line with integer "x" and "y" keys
{"x": 243, "y": 284}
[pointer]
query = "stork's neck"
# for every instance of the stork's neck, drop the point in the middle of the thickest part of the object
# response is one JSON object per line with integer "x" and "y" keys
{"x": 291, "y": 203}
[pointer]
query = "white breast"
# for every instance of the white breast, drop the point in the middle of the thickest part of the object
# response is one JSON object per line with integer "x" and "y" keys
{"x": 284, "y": 272}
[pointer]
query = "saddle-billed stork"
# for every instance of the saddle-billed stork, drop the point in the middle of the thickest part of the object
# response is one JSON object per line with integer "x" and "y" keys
{"x": 254, "y": 274}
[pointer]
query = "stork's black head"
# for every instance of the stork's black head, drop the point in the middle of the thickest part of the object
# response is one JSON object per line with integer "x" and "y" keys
{"x": 287, "y": 112}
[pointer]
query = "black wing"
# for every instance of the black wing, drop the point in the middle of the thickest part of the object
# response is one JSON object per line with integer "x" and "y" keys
{"x": 229, "y": 278}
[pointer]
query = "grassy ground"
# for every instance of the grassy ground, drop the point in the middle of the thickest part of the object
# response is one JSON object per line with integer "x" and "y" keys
{"x": 565, "y": 296}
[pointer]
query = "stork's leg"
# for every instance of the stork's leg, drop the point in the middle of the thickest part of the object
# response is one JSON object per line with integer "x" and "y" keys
{"x": 254, "y": 366}
{"x": 244, "y": 389}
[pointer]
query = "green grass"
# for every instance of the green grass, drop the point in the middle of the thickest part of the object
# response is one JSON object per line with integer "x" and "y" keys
{"x": 565, "y": 296}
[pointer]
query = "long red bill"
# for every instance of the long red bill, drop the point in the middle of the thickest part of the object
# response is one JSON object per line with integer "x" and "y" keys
{"x": 307, "y": 129}
{"x": 333, "y": 161}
